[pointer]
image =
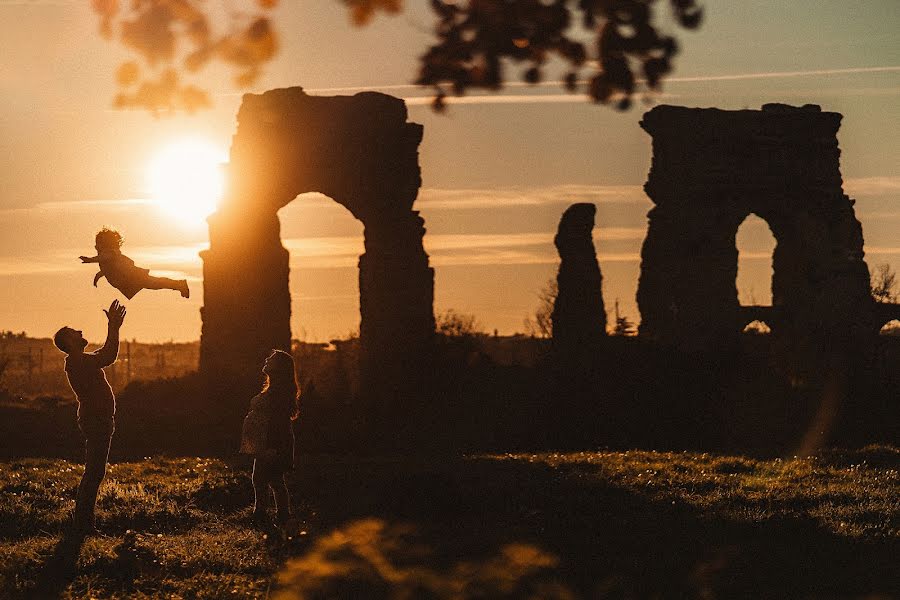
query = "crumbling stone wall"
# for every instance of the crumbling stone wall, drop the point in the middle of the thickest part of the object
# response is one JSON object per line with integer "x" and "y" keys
{"x": 711, "y": 169}
{"x": 360, "y": 151}
{"x": 578, "y": 317}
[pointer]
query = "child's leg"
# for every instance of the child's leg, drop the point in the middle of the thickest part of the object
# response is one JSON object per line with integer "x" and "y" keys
{"x": 282, "y": 498}
{"x": 164, "y": 283}
{"x": 161, "y": 283}
{"x": 261, "y": 477}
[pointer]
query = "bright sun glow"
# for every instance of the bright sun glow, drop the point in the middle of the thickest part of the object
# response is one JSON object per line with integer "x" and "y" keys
{"x": 186, "y": 180}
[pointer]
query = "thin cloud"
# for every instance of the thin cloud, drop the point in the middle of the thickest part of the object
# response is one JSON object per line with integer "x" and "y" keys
{"x": 175, "y": 274}
{"x": 754, "y": 255}
{"x": 187, "y": 254}
{"x": 459, "y": 249}
{"x": 339, "y": 252}
{"x": 463, "y": 199}
{"x": 36, "y": 3}
{"x": 566, "y": 98}
{"x": 72, "y": 206}
{"x": 79, "y": 205}
{"x": 27, "y": 266}
{"x": 303, "y": 298}
{"x": 784, "y": 74}
{"x": 881, "y": 250}
{"x": 179, "y": 262}
{"x": 872, "y": 186}
{"x": 505, "y": 99}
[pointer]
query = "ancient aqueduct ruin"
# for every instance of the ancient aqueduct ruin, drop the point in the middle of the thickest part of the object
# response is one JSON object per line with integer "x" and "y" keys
{"x": 361, "y": 152}
{"x": 711, "y": 169}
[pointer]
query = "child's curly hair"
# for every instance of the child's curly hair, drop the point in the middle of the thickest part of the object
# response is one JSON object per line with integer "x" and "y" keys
{"x": 107, "y": 238}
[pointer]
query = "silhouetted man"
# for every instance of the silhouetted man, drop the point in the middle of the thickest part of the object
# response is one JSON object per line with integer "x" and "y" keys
{"x": 96, "y": 408}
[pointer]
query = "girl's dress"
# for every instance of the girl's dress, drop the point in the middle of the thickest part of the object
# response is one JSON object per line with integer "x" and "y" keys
{"x": 254, "y": 434}
{"x": 121, "y": 273}
{"x": 268, "y": 433}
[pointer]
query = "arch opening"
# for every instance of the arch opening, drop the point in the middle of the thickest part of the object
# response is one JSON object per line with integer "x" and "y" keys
{"x": 755, "y": 245}
{"x": 757, "y": 327}
{"x": 325, "y": 242}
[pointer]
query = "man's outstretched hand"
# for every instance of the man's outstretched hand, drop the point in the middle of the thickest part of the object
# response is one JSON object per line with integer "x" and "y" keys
{"x": 115, "y": 314}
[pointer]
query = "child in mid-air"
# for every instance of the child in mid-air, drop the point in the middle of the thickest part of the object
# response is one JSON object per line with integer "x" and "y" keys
{"x": 120, "y": 271}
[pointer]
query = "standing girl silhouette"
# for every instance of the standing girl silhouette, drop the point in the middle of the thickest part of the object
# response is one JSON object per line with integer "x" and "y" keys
{"x": 268, "y": 435}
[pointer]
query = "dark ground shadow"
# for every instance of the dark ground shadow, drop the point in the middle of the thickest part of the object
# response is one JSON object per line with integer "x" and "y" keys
{"x": 487, "y": 528}
{"x": 60, "y": 569}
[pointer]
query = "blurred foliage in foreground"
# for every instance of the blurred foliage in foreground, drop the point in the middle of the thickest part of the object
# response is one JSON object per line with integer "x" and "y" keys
{"x": 477, "y": 41}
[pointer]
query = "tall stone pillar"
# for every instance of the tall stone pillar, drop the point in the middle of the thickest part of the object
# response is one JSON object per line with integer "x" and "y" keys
{"x": 396, "y": 295}
{"x": 247, "y": 305}
{"x": 579, "y": 317}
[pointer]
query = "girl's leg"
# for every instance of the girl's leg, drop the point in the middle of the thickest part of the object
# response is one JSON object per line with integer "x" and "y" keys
{"x": 282, "y": 498}
{"x": 164, "y": 283}
{"x": 260, "y": 480}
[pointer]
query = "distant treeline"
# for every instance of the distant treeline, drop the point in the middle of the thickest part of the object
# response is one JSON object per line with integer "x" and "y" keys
{"x": 493, "y": 393}
{"x": 33, "y": 367}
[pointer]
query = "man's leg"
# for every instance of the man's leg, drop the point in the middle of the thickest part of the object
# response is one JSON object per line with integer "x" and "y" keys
{"x": 96, "y": 454}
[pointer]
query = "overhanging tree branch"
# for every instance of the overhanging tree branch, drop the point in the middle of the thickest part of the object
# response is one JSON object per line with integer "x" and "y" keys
{"x": 477, "y": 42}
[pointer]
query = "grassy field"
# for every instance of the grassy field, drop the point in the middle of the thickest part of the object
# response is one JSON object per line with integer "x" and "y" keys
{"x": 576, "y": 525}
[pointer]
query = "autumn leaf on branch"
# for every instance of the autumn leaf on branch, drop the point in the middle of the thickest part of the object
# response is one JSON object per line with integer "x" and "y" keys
{"x": 479, "y": 39}
{"x": 174, "y": 38}
{"x": 477, "y": 42}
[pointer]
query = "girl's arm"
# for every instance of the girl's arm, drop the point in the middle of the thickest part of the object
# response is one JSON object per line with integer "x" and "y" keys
{"x": 97, "y": 277}
{"x": 89, "y": 259}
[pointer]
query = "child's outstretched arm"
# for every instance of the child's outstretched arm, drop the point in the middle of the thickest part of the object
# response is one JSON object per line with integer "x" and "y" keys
{"x": 98, "y": 276}
{"x": 89, "y": 259}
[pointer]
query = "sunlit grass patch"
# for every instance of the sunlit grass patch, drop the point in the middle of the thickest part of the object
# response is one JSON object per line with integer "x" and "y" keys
{"x": 21, "y": 561}
{"x": 172, "y": 526}
{"x": 849, "y": 493}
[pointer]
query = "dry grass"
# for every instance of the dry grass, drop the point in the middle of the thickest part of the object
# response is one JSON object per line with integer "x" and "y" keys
{"x": 572, "y": 525}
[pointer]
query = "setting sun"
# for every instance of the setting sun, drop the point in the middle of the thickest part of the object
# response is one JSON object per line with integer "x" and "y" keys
{"x": 185, "y": 180}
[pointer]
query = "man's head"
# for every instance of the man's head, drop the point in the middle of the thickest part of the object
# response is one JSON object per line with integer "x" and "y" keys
{"x": 69, "y": 340}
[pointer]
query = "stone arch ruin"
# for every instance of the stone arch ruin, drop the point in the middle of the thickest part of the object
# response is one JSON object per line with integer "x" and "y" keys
{"x": 711, "y": 169}
{"x": 361, "y": 152}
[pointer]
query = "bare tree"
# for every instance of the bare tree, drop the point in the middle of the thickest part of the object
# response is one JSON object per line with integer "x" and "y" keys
{"x": 455, "y": 324}
{"x": 540, "y": 325}
{"x": 477, "y": 41}
{"x": 884, "y": 284}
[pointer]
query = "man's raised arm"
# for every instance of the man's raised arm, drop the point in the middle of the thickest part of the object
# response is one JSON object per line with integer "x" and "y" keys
{"x": 110, "y": 350}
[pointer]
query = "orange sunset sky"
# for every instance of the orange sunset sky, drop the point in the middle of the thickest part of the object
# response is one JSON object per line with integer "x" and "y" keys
{"x": 498, "y": 170}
